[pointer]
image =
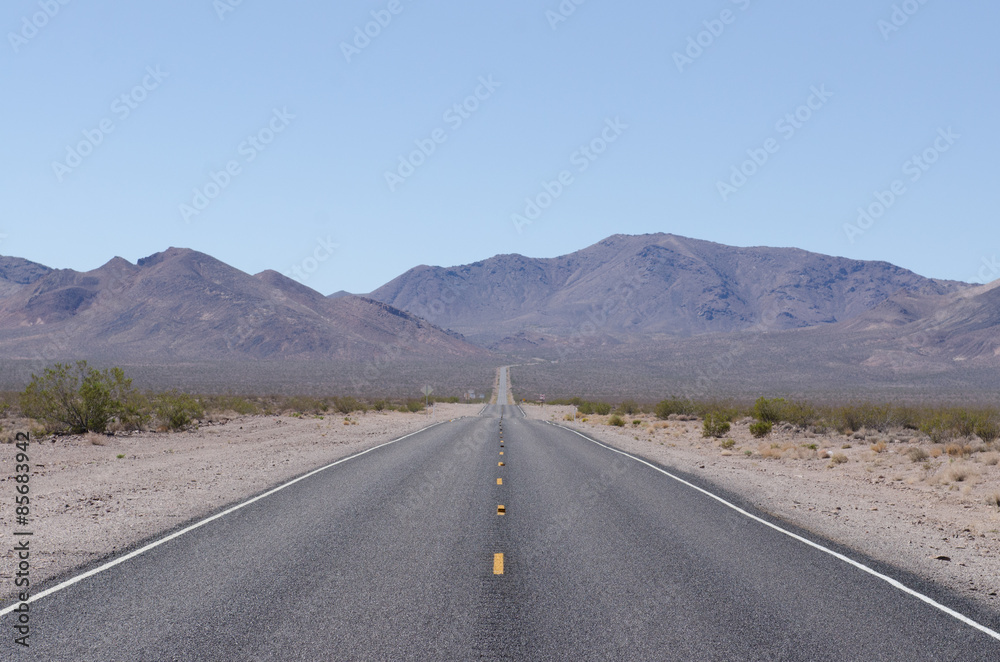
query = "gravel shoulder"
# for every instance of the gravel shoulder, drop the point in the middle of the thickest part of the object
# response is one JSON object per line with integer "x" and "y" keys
{"x": 935, "y": 517}
{"x": 95, "y": 495}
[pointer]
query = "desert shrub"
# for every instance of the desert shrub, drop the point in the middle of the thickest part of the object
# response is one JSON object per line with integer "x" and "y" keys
{"x": 918, "y": 454}
{"x": 234, "y": 403}
{"x": 602, "y": 408}
{"x": 761, "y": 429}
{"x": 585, "y": 408}
{"x": 8, "y": 402}
{"x": 617, "y": 421}
{"x": 906, "y": 417}
{"x": 665, "y": 408}
{"x": 379, "y": 405}
{"x": 78, "y": 398}
{"x": 728, "y": 443}
{"x": 937, "y": 428}
{"x": 135, "y": 411}
{"x": 629, "y": 408}
{"x": 987, "y": 428}
{"x": 799, "y": 414}
{"x": 175, "y": 410}
{"x": 956, "y": 474}
{"x": 413, "y": 406}
{"x": 838, "y": 458}
{"x": 962, "y": 422}
{"x": 347, "y": 404}
{"x": 767, "y": 411}
{"x": 958, "y": 450}
{"x": 715, "y": 425}
{"x": 879, "y": 446}
{"x": 864, "y": 415}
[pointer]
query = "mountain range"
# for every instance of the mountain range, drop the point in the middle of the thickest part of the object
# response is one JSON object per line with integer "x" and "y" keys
{"x": 649, "y": 312}
{"x": 182, "y": 306}
{"x": 651, "y": 286}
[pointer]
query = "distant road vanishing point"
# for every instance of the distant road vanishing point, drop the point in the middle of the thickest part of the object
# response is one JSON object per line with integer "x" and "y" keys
{"x": 495, "y": 537}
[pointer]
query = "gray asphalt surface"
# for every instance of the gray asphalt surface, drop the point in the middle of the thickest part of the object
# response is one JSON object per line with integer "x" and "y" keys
{"x": 391, "y": 557}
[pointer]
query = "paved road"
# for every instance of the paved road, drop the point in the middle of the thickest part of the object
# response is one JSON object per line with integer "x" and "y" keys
{"x": 393, "y": 556}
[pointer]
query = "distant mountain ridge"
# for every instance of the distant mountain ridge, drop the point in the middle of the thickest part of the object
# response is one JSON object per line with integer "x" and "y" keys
{"x": 182, "y": 305}
{"x": 651, "y": 285}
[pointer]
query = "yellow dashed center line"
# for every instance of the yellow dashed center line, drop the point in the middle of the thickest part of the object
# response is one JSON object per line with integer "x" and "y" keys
{"x": 499, "y": 464}
{"x": 499, "y": 481}
{"x": 501, "y": 510}
{"x": 498, "y": 564}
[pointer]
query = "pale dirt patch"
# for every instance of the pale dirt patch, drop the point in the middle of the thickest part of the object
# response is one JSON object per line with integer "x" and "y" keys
{"x": 883, "y": 504}
{"x": 86, "y": 503}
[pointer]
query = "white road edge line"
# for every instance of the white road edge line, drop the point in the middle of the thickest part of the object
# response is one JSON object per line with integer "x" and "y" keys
{"x": 212, "y": 518}
{"x": 860, "y": 566}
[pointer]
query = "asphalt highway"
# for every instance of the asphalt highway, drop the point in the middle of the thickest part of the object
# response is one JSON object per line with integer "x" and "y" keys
{"x": 402, "y": 554}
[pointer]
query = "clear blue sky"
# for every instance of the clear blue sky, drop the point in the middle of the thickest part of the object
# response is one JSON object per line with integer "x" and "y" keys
{"x": 680, "y": 127}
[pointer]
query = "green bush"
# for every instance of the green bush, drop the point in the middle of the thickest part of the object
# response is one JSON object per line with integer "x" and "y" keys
{"x": 664, "y": 408}
{"x": 617, "y": 421}
{"x": 135, "y": 412}
{"x": 866, "y": 415}
{"x": 716, "y": 424}
{"x": 233, "y": 403}
{"x": 629, "y": 408}
{"x": 987, "y": 429}
{"x": 761, "y": 429}
{"x": 963, "y": 423}
{"x": 585, "y": 408}
{"x": 937, "y": 428}
{"x": 602, "y": 408}
{"x": 175, "y": 410}
{"x": 346, "y": 405}
{"x": 768, "y": 411}
{"x": 379, "y": 405}
{"x": 800, "y": 414}
{"x": 78, "y": 398}
{"x": 413, "y": 406}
